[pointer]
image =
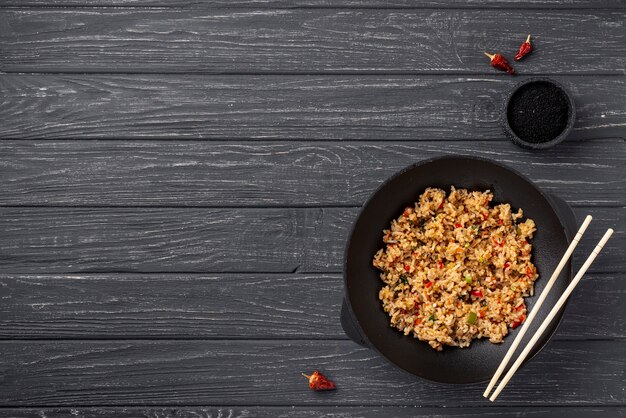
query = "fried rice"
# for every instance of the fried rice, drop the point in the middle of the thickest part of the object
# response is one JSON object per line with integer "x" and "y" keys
{"x": 456, "y": 268}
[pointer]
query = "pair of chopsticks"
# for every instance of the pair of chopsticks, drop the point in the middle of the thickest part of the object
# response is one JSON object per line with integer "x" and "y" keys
{"x": 557, "y": 307}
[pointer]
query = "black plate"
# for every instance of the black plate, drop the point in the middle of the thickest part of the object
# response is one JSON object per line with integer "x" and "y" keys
{"x": 362, "y": 316}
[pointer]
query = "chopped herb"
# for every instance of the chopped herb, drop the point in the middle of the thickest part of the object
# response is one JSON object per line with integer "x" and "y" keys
{"x": 468, "y": 279}
{"x": 404, "y": 279}
{"x": 471, "y": 319}
{"x": 431, "y": 318}
{"x": 422, "y": 223}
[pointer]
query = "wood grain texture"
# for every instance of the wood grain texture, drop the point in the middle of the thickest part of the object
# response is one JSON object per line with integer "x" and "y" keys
{"x": 395, "y": 4}
{"x": 103, "y": 373}
{"x": 308, "y": 40}
{"x": 278, "y": 240}
{"x": 318, "y": 412}
{"x": 292, "y": 107}
{"x": 268, "y": 306}
{"x": 200, "y": 173}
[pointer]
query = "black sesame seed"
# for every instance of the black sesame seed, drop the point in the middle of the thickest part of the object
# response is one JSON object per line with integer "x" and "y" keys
{"x": 538, "y": 112}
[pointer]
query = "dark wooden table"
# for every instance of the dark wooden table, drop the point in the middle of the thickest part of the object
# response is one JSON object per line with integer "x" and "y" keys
{"x": 179, "y": 178}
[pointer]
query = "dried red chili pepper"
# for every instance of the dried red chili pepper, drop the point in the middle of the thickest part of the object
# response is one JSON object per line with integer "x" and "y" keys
{"x": 499, "y": 62}
{"x": 524, "y": 49}
{"x": 318, "y": 381}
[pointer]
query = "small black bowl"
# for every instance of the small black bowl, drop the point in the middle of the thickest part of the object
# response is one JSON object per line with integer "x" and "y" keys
{"x": 510, "y": 133}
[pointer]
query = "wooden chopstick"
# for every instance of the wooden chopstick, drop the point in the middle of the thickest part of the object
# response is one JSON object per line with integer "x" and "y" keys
{"x": 557, "y": 307}
{"x": 538, "y": 304}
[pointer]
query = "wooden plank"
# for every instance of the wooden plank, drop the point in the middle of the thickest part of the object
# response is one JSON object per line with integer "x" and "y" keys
{"x": 199, "y": 173}
{"x": 308, "y": 40}
{"x": 279, "y": 240}
{"x": 287, "y": 306}
{"x": 318, "y": 412}
{"x": 396, "y": 4}
{"x": 257, "y": 372}
{"x": 284, "y": 107}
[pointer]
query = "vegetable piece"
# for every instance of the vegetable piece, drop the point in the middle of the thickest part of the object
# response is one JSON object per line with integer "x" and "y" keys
{"x": 403, "y": 279}
{"x": 318, "y": 381}
{"x": 428, "y": 284}
{"x": 468, "y": 279}
{"x": 506, "y": 265}
{"x": 440, "y": 264}
{"x": 407, "y": 268}
{"x": 431, "y": 318}
{"x": 471, "y": 319}
{"x": 477, "y": 293}
{"x": 418, "y": 321}
{"x": 524, "y": 49}
{"x": 498, "y": 61}
{"x": 457, "y": 225}
{"x": 518, "y": 322}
